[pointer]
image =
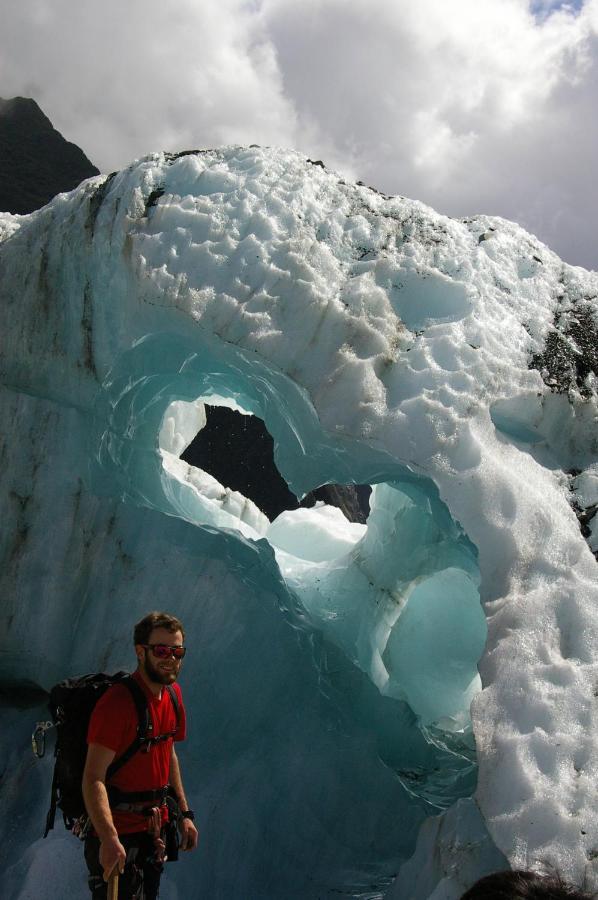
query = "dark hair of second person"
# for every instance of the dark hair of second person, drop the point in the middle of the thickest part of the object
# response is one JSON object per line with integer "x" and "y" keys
{"x": 520, "y": 885}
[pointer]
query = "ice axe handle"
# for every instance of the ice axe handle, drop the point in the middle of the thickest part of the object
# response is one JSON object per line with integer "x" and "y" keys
{"x": 113, "y": 886}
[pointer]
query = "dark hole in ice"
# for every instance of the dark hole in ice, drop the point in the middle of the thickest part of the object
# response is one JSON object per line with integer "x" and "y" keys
{"x": 239, "y": 451}
{"x": 352, "y": 499}
{"x": 21, "y": 694}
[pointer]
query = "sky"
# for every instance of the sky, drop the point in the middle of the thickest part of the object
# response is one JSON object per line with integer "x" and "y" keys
{"x": 471, "y": 106}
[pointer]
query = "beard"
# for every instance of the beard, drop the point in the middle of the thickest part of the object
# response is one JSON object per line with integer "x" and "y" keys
{"x": 157, "y": 675}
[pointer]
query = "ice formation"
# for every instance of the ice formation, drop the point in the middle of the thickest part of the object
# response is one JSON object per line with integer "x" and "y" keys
{"x": 451, "y": 365}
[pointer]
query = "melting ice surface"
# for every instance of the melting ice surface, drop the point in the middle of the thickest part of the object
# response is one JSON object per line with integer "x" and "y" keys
{"x": 332, "y": 679}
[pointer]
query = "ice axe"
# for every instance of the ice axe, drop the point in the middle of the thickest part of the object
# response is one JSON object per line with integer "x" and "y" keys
{"x": 113, "y": 886}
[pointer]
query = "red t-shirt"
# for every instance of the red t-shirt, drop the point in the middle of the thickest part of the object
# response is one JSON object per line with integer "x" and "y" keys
{"x": 113, "y": 724}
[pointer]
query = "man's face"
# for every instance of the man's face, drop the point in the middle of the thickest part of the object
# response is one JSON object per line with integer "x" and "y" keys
{"x": 160, "y": 671}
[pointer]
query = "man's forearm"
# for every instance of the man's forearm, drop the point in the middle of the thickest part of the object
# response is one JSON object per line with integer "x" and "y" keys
{"x": 98, "y": 808}
{"x": 189, "y": 833}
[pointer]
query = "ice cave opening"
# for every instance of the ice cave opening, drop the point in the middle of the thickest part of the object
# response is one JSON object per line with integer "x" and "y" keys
{"x": 237, "y": 449}
{"x": 425, "y": 645}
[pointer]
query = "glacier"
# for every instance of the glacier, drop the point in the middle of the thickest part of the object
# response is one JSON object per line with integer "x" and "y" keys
{"x": 390, "y": 709}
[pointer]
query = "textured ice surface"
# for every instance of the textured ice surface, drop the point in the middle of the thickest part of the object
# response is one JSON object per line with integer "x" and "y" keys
{"x": 449, "y": 363}
{"x": 453, "y": 851}
{"x": 317, "y": 534}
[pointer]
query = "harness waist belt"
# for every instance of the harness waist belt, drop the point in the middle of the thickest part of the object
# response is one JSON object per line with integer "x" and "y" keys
{"x": 142, "y": 808}
{"x": 117, "y": 796}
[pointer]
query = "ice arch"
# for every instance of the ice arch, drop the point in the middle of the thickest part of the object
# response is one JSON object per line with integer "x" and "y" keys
{"x": 400, "y": 596}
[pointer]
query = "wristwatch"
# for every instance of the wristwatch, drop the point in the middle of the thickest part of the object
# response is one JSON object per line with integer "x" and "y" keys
{"x": 188, "y": 814}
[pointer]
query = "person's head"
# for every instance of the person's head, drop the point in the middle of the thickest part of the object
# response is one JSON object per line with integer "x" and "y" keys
{"x": 520, "y": 885}
{"x": 157, "y": 639}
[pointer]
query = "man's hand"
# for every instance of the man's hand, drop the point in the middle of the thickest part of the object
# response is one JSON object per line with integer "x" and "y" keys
{"x": 112, "y": 852}
{"x": 112, "y": 855}
{"x": 189, "y": 834}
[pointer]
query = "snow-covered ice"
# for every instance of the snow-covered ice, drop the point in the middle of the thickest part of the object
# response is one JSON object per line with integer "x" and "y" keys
{"x": 450, "y": 364}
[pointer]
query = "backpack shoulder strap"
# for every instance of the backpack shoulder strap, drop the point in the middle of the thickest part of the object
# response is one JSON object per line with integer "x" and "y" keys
{"x": 175, "y": 702}
{"x": 53, "y": 804}
{"x": 143, "y": 726}
{"x": 140, "y": 702}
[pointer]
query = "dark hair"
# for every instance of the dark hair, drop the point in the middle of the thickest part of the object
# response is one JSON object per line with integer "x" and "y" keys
{"x": 520, "y": 885}
{"x": 143, "y": 629}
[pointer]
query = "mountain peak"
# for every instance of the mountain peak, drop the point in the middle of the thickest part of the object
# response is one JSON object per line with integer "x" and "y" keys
{"x": 24, "y": 109}
{"x": 36, "y": 162}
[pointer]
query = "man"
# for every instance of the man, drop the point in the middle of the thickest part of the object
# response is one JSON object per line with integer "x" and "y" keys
{"x": 128, "y": 836}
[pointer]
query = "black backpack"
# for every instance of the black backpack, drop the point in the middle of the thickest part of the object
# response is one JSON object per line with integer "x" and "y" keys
{"x": 71, "y": 704}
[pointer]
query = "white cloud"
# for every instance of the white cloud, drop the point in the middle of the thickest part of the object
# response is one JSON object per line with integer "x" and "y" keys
{"x": 470, "y": 106}
{"x": 123, "y": 79}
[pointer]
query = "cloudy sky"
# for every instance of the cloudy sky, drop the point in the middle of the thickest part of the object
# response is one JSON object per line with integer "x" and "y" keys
{"x": 473, "y": 106}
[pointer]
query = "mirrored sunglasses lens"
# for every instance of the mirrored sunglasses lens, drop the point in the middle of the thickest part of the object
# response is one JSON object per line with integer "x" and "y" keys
{"x": 163, "y": 651}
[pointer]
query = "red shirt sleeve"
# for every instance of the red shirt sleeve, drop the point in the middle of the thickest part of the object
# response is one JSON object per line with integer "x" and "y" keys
{"x": 113, "y": 722}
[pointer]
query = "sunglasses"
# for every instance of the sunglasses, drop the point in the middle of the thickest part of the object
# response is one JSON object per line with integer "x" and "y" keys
{"x": 165, "y": 651}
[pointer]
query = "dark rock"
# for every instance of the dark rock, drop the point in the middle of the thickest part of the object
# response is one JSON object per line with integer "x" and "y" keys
{"x": 172, "y": 157}
{"x": 36, "y": 162}
{"x": 96, "y": 200}
{"x": 153, "y": 198}
{"x": 570, "y": 351}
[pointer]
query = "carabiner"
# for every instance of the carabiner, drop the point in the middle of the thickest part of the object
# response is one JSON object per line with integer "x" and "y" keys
{"x": 38, "y": 738}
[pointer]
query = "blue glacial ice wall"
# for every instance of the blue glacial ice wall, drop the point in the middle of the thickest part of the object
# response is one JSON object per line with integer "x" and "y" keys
{"x": 332, "y": 667}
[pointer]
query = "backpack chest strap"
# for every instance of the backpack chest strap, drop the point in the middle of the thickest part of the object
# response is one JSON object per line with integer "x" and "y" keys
{"x": 147, "y": 743}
